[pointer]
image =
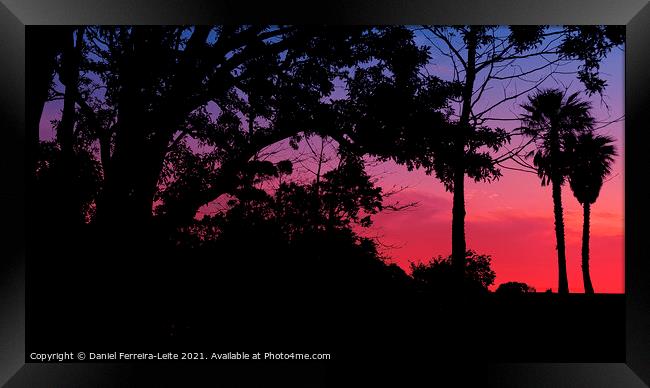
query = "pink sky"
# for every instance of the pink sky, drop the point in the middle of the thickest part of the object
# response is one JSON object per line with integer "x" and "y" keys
{"x": 511, "y": 219}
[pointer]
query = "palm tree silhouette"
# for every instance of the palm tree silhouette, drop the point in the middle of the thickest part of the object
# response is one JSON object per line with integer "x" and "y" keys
{"x": 551, "y": 119}
{"x": 591, "y": 161}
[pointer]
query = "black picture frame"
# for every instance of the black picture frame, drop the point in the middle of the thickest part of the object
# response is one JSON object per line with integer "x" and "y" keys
{"x": 16, "y": 14}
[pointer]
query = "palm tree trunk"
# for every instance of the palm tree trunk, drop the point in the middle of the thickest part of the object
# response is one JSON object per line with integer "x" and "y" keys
{"x": 563, "y": 282}
{"x": 589, "y": 289}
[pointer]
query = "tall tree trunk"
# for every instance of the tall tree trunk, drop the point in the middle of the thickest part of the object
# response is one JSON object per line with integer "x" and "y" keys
{"x": 43, "y": 44}
{"x": 123, "y": 206}
{"x": 589, "y": 289}
{"x": 458, "y": 244}
{"x": 70, "y": 79}
{"x": 563, "y": 283}
{"x": 556, "y": 183}
{"x": 70, "y": 208}
{"x": 141, "y": 139}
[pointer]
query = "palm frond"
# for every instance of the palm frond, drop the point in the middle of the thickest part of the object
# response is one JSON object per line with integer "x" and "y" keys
{"x": 591, "y": 162}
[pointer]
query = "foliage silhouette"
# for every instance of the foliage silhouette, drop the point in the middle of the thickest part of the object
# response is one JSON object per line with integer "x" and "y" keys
{"x": 142, "y": 91}
{"x": 159, "y": 122}
{"x": 269, "y": 83}
{"x": 341, "y": 198}
{"x": 591, "y": 158}
{"x": 303, "y": 237}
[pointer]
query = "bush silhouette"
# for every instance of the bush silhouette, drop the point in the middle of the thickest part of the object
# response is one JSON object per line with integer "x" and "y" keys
{"x": 436, "y": 275}
{"x": 514, "y": 288}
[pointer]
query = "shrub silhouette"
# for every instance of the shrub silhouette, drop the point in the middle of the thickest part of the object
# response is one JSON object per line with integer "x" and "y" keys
{"x": 514, "y": 288}
{"x": 436, "y": 275}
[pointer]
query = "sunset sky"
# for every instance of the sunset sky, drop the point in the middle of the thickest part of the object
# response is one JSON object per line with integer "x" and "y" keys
{"x": 511, "y": 219}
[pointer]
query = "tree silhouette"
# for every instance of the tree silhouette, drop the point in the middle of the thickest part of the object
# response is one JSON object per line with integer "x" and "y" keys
{"x": 271, "y": 83}
{"x": 303, "y": 232}
{"x": 591, "y": 158}
{"x": 148, "y": 95}
{"x": 551, "y": 118}
{"x": 481, "y": 56}
{"x": 177, "y": 171}
{"x": 342, "y": 197}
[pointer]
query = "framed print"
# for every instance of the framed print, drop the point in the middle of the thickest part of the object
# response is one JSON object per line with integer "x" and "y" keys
{"x": 368, "y": 192}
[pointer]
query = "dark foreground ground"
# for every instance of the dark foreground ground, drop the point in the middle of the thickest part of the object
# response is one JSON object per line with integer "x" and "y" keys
{"x": 525, "y": 328}
{"x": 246, "y": 298}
